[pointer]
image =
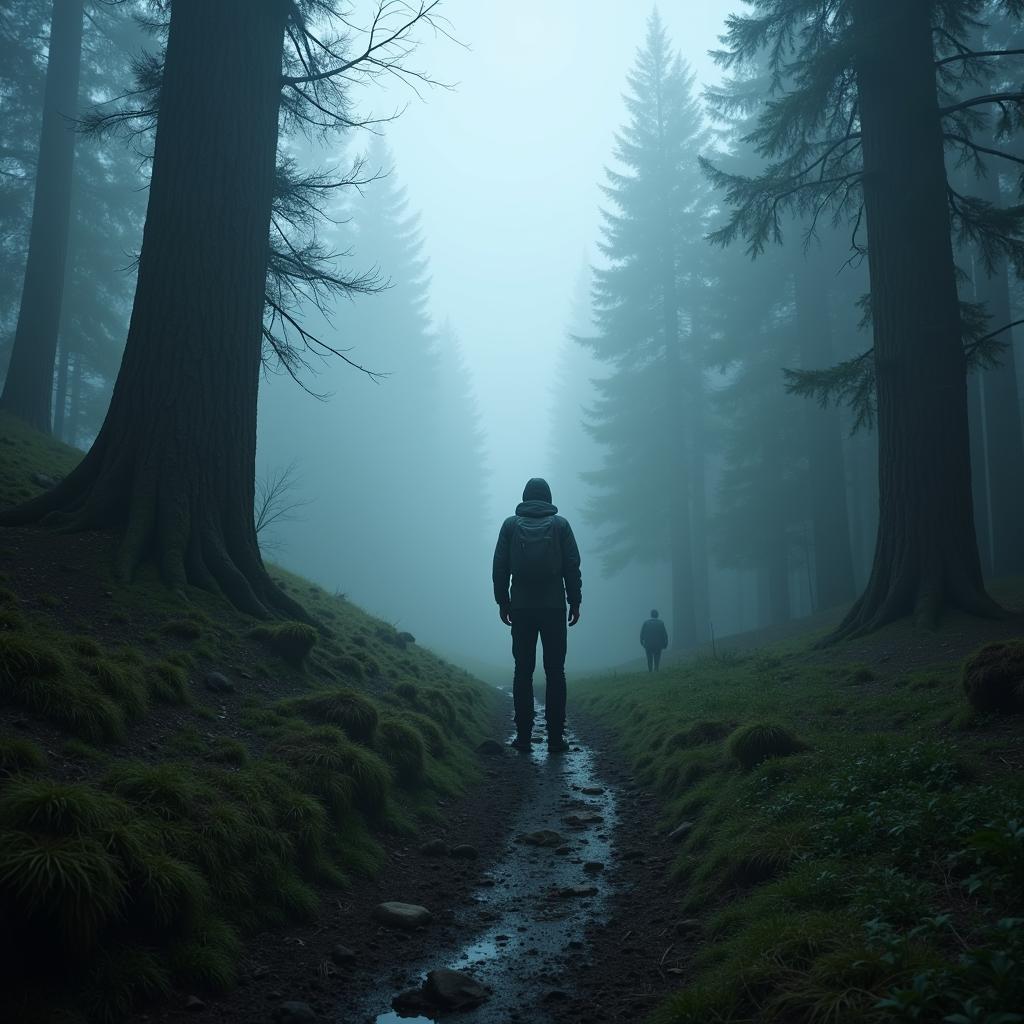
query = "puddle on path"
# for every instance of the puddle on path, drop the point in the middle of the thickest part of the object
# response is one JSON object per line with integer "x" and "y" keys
{"x": 524, "y": 936}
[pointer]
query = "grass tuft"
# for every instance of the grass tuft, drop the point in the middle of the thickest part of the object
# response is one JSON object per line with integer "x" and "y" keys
{"x": 20, "y": 755}
{"x": 403, "y": 748}
{"x": 290, "y": 641}
{"x": 346, "y": 708}
{"x": 751, "y": 744}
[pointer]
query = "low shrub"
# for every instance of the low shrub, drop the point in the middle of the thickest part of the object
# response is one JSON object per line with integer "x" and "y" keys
{"x": 168, "y": 683}
{"x": 403, "y": 748}
{"x": 20, "y": 755}
{"x": 751, "y": 744}
{"x": 290, "y": 641}
{"x": 345, "y": 708}
{"x": 993, "y": 677}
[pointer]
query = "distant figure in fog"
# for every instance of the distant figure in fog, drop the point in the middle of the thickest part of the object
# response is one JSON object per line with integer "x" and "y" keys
{"x": 537, "y": 549}
{"x": 653, "y": 639}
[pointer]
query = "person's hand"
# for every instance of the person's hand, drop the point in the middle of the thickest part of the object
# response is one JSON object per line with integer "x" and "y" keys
{"x": 574, "y": 614}
{"x": 505, "y": 614}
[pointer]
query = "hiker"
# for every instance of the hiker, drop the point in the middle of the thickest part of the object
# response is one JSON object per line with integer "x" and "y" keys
{"x": 537, "y": 549}
{"x": 653, "y": 639}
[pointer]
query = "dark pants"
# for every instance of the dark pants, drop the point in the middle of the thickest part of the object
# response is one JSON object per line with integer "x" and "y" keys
{"x": 550, "y": 625}
{"x": 653, "y": 658}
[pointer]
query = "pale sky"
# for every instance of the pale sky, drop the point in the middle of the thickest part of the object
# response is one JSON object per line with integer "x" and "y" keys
{"x": 504, "y": 170}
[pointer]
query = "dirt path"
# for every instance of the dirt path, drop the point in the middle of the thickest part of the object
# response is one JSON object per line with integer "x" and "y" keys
{"x": 554, "y": 937}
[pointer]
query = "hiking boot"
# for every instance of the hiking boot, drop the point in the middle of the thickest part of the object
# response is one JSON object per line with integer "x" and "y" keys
{"x": 557, "y": 744}
{"x": 522, "y": 742}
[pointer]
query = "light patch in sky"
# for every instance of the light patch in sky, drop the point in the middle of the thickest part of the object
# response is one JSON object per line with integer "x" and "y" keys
{"x": 505, "y": 169}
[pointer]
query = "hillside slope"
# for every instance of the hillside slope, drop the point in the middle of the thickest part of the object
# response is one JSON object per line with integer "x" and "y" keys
{"x": 175, "y": 776}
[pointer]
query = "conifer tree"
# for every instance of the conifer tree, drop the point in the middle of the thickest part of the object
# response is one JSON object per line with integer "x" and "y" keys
{"x": 643, "y": 305}
{"x": 865, "y": 98}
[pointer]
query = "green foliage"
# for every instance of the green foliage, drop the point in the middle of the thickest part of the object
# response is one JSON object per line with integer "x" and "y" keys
{"x": 751, "y": 744}
{"x": 58, "y": 808}
{"x": 168, "y": 683}
{"x": 183, "y": 629}
{"x": 346, "y": 708}
{"x": 121, "y": 978}
{"x": 402, "y": 747}
{"x": 290, "y": 641}
{"x": 993, "y": 677}
{"x": 229, "y": 751}
{"x": 18, "y": 754}
{"x": 70, "y": 884}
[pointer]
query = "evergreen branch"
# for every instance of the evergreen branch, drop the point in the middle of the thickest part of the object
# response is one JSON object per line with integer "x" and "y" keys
{"x": 963, "y": 140}
{"x": 1001, "y": 98}
{"x": 972, "y": 54}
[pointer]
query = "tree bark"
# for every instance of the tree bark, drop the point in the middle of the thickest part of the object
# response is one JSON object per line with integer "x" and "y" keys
{"x": 980, "y": 494}
{"x": 684, "y": 620}
{"x": 826, "y": 462}
{"x": 74, "y": 421}
{"x": 1005, "y": 441}
{"x": 61, "y": 393}
{"x": 173, "y": 465}
{"x": 699, "y": 511}
{"x": 28, "y": 388}
{"x": 926, "y": 552}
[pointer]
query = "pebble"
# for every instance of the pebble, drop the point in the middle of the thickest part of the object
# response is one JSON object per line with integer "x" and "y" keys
{"x": 434, "y": 848}
{"x": 464, "y": 852}
{"x": 294, "y": 1013}
{"x": 402, "y": 915}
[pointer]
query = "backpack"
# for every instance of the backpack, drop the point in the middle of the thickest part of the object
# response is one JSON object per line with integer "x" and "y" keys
{"x": 536, "y": 550}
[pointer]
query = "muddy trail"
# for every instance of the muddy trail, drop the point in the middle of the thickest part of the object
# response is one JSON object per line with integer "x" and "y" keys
{"x": 547, "y": 886}
{"x": 569, "y": 922}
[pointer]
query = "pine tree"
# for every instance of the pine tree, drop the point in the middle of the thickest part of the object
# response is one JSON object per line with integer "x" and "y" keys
{"x": 173, "y": 466}
{"x": 643, "y": 304}
{"x": 866, "y": 95}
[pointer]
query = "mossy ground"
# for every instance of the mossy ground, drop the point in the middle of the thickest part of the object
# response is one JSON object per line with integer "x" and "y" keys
{"x": 148, "y": 824}
{"x": 876, "y": 875}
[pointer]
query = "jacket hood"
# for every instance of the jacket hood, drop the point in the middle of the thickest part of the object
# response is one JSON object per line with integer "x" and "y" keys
{"x": 537, "y": 489}
{"x": 535, "y": 509}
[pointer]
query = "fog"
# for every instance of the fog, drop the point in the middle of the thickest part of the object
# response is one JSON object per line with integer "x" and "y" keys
{"x": 502, "y": 162}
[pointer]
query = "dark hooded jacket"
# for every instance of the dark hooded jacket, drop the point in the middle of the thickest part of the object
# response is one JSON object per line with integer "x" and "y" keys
{"x": 536, "y": 504}
{"x": 654, "y": 635}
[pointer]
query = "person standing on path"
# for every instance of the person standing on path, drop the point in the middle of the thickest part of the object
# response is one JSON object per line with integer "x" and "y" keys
{"x": 537, "y": 549}
{"x": 653, "y": 639}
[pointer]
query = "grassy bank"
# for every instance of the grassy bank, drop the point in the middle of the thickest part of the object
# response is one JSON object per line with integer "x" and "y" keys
{"x": 851, "y": 836}
{"x": 153, "y": 815}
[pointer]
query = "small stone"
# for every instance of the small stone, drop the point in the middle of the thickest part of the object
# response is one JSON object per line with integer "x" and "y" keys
{"x": 194, "y": 1004}
{"x": 490, "y": 748}
{"x": 342, "y": 955}
{"x": 555, "y": 995}
{"x": 572, "y": 892}
{"x": 563, "y": 851}
{"x": 633, "y": 854}
{"x": 464, "y": 852}
{"x": 434, "y": 848}
{"x": 543, "y": 837}
{"x": 592, "y": 791}
{"x": 454, "y": 990}
{"x": 592, "y": 867}
{"x": 582, "y": 820}
{"x": 217, "y": 682}
{"x": 294, "y": 1013}
{"x": 680, "y": 831}
{"x": 405, "y": 638}
{"x": 42, "y": 480}
{"x": 402, "y": 915}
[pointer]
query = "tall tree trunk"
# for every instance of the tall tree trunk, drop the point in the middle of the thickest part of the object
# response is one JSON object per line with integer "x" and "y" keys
{"x": 173, "y": 465}
{"x": 699, "y": 512}
{"x": 60, "y": 401}
{"x": 926, "y": 553}
{"x": 74, "y": 421}
{"x": 684, "y": 622}
{"x": 28, "y": 389}
{"x": 1005, "y": 447}
{"x": 980, "y": 494}
{"x": 830, "y": 522}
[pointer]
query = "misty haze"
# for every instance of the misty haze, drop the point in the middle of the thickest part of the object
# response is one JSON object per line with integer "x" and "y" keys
{"x": 511, "y": 512}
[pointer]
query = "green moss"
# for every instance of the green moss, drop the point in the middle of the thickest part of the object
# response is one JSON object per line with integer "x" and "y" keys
{"x": 993, "y": 677}
{"x": 290, "y": 641}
